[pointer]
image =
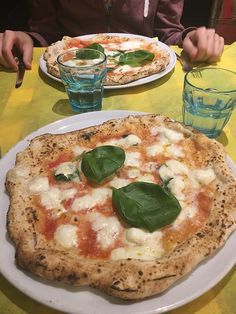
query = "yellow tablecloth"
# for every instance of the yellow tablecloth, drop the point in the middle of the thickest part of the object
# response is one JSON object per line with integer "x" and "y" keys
{"x": 41, "y": 100}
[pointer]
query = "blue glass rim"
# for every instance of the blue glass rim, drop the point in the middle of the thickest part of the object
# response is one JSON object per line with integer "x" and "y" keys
{"x": 79, "y": 49}
{"x": 208, "y": 91}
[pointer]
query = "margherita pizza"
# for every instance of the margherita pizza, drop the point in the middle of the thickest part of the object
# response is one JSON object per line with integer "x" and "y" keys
{"x": 129, "y": 206}
{"x": 128, "y": 58}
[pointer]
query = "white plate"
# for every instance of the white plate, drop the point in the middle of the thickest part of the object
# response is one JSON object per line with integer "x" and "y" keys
{"x": 85, "y": 300}
{"x": 148, "y": 79}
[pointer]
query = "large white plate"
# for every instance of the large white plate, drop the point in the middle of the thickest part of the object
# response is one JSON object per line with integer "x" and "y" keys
{"x": 148, "y": 79}
{"x": 86, "y": 300}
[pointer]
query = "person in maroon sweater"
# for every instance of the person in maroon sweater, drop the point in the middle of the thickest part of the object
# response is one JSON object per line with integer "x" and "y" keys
{"x": 52, "y": 19}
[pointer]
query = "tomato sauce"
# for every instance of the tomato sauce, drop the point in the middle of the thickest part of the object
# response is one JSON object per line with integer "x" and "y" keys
{"x": 68, "y": 156}
{"x": 88, "y": 246}
{"x": 189, "y": 226}
{"x": 50, "y": 227}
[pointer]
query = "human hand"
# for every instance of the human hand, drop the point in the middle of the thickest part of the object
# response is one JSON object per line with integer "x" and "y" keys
{"x": 22, "y": 42}
{"x": 203, "y": 44}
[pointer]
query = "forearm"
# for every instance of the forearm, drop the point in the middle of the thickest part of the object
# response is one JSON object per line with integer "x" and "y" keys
{"x": 168, "y": 27}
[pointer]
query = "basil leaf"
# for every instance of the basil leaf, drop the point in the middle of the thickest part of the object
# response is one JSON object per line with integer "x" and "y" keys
{"x": 66, "y": 171}
{"x": 86, "y": 55}
{"x": 96, "y": 46}
{"x": 136, "y": 57}
{"x": 66, "y": 177}
{"x": 146, "y": 205}
{"x": 102, "y": 162}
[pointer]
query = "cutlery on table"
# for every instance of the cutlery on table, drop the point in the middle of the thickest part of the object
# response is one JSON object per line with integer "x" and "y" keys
{"x": 186, "y": 64}
{"x": 21, "y": 68}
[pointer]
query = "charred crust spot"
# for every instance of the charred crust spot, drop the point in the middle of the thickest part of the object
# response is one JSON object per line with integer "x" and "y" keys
{"x": 200, "y": 235}
{"x": 124, "y": 135}
{"x": 75, "y": 219}
{"x": 120, "y": 289}
{"x": 72, "y": 277}
{"x": 34, "y": 215}
{"x": 116, "y": 283}
{"x": 162, "y": 278}
{"x": 140, "y": 273}
{"x": 85, "y": 275}
{"x": 99, "y": 270}
{"x": 40, "y": 265}
{"x": 87, "y": 136}
{"x": 41, "y": 257}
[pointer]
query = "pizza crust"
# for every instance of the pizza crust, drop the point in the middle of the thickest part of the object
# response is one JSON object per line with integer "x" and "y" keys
{"x": 118, "y": 77}
{"x": 130, "y": 278}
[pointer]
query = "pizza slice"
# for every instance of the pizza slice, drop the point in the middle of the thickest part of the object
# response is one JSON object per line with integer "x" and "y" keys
{"x": 128, "y": 58}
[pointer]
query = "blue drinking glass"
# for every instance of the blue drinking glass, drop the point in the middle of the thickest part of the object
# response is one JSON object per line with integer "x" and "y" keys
{"x": 83, "y": 73}
{"x": 209, "y": 98}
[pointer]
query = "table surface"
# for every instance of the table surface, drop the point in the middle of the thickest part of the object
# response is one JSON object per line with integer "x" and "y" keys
{"x": 41, "y": 100}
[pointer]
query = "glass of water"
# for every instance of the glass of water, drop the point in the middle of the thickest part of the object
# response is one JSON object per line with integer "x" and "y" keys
{"x": 83, "y": 73}
{"x": 209, "y": 97}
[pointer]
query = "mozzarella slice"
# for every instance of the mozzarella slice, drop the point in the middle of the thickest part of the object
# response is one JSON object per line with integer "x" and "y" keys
{"x": 175, "y": 151}
{"x": 66, "y": 168}
{"x": 171, "y": 135}
{"x": 154, "y": 150}
{"x": 66, "y": 235}
{"x": 118, "y": 182}
{"x": 177, "y": 185}
{"x": 188, "y": 211}
{"x": 204, "y": 176}
{"x": 38, "y": 185}
{"x": 98, "y": 196}
{"x": 107, "y": 229}
{"x": 133, "y": 159}
{"x": 172, "y": 168}
{"x": 136, "y": 236}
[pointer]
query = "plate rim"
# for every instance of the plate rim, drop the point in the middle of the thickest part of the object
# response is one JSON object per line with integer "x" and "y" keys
{"x": 141, "y": 81}
{"x": 105, "y": 115}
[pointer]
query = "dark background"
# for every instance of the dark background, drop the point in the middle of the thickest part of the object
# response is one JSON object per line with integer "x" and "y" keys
{"x": 14, "y": 15}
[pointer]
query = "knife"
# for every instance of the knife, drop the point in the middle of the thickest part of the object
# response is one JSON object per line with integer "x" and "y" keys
{"x": 20, "y": 71}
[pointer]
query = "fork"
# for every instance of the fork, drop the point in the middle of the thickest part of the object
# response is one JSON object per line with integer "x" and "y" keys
{"x": 187, "y": 66}
{"x": 21, "y": 67}
{"x": 20, "y": 72}
{"x": 196, "y": 73}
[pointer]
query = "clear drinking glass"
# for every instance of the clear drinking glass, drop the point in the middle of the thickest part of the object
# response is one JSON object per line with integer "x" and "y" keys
{"x": 83, "y": 72}
{"x": 209, "y": 97}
